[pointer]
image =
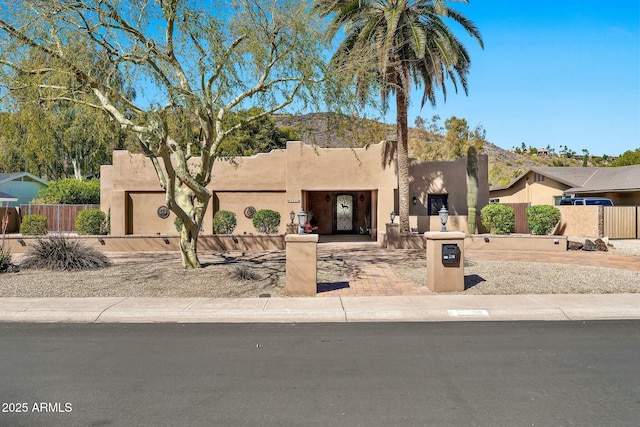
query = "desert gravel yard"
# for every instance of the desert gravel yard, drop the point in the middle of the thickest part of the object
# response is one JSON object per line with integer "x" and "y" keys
{"x": 160, "y": 274}
{"x": 511, "y": 277}
{"x": 240, "y": 275}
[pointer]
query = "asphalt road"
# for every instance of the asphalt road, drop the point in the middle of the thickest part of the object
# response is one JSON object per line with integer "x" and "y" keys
{"x": 375, "y": 374}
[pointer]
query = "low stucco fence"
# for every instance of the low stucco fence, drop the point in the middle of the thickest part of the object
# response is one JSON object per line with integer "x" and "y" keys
{"x": 215, "y": 243}
{"x": 511, "y": 242}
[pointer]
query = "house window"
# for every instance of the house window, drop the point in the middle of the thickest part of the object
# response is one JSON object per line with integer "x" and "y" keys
{"x": 556, "y": 200}
{"x": 538, "y": 177}
{"x": 436, "y": 202}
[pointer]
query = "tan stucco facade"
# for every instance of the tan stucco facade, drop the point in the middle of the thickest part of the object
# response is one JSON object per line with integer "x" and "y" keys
{"x": 531, "y": 188}
{"x": 301, "y": 176}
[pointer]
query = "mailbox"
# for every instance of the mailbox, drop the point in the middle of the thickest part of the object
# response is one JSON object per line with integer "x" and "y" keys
{"x": 450, "y": 253}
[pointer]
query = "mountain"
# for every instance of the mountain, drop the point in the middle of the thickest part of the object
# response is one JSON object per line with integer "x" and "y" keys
{"x": 333, "y": 130}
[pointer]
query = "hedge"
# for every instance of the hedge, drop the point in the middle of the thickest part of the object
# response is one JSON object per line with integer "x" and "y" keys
{"x": 91, "y": 221}
{"x": 34, "y": 225}
{"x": 498, "y": 219}
{"x": 266, "y": 221}
{"x": 224, "y": 222}
{"x": 542, "y": 219}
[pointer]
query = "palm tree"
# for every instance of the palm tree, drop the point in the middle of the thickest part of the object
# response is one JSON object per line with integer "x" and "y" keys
{"x": 390, "y": 42}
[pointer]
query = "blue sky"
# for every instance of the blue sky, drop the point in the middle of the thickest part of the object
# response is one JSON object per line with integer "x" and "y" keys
{"x": 562, "y": 72}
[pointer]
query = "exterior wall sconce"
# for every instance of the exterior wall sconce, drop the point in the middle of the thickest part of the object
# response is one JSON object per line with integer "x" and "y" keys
{"x": 415, "y": 200}
{"x": 392, "y": 216}
{"x": 101, "y": 240}
{"x": 327, "y": 198}
{"x": 443, "y": 213}
{"x": 362, "y": 197}
{"x": 302, "y": 220}
{"x": 165, "y": 240}
{"x": 292, "y": 215}
{"x": 22, "y": 243}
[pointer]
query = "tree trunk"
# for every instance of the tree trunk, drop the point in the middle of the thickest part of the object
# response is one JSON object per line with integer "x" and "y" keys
{"x": 403, "y": 159}
{"x": 77, "y": 173}
{"x": 189, "y": 248}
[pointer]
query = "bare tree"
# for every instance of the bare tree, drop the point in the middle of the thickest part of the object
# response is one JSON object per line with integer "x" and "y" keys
{"x": 190, "y": 66}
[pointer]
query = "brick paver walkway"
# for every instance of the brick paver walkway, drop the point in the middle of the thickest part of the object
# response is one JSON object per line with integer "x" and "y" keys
{"x": 376, "y": 279}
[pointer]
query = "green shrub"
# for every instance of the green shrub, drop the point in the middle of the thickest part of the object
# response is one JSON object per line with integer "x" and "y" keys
{"x": 266, "y": 221}
{"x": 542, "y": 219}
{"x": 91, "y": 221}
{"x": 70, "y": 191}
{"x": 497, "y": 218}
{"x": 34, "y": 225}
{"x": 224, "y": 222}
{"x": 59, "y": 253}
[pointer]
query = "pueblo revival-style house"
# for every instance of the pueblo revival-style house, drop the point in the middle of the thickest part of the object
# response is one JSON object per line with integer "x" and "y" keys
{"x": 344, "y": 190}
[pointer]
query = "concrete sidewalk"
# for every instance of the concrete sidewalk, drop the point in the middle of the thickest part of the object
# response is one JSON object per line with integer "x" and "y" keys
{"x": 423, "y": 308}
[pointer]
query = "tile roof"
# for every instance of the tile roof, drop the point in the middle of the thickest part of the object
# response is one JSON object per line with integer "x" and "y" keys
{"x": 623, "y": 178}
{"x": 579, "y": 179}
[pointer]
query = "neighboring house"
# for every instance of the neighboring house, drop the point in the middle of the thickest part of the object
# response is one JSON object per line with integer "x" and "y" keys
{"x": 547, "y": 185}
{"x": 349, "y": 191}
{"x": 22, "y": 186}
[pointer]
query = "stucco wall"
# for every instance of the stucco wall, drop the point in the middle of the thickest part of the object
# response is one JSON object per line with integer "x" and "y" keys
{"x": 286, "y": 180}
{"x": 237, "y": 202}
{"x": 578, "y": 221}
{"x": 143, "y": 219}
{"x": 341, "y": 169}
{"x": 448, "y": 178}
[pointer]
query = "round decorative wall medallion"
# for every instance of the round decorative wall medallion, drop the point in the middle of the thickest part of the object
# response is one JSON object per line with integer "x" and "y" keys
{"x": 249, "y": 211}
{"x": 163, "y": 212}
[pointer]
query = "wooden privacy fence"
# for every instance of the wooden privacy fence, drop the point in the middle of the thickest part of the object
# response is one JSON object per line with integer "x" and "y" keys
{"x": 60, "y": 218}
{"x": 621, "y": 222}
{"x": 520, "y": 213}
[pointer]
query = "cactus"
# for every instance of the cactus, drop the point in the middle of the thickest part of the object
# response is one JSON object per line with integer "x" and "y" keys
{"x": 472, "y": 188}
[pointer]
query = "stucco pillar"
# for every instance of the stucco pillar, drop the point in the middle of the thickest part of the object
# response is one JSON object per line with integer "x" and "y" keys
{"x": 119, "y": 213}
{"x": 393, "y": 234}
{"x": 301, "y": 264}
{"x": 445, "y": 273}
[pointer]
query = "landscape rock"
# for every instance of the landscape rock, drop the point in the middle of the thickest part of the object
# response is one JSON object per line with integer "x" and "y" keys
{"x": 11, "y": 268}
{"x": 589, "y": 245}
{"x": 574, "y": 246}
{"x": 601, "y": 245}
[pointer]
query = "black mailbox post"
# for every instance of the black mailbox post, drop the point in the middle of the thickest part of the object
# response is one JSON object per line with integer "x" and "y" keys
{"x": 450, "y": 254}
